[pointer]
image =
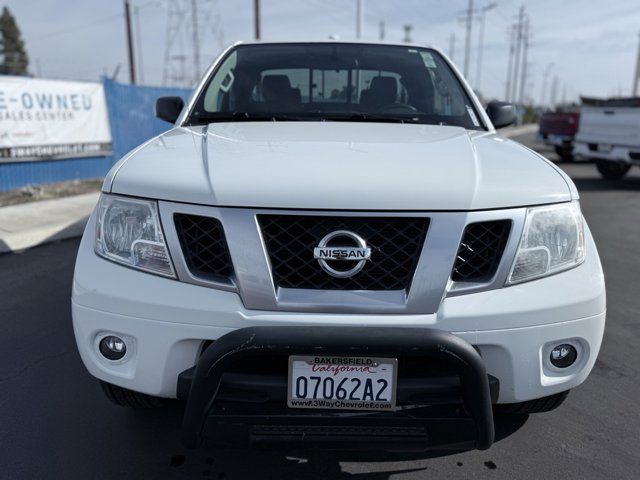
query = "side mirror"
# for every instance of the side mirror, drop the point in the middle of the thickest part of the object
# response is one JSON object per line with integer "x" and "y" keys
{"x": 501, "y": 114}
{"x": 169, "y": 108}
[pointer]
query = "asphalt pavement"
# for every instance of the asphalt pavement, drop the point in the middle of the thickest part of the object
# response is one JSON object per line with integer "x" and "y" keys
{"x": 56, "y": 423}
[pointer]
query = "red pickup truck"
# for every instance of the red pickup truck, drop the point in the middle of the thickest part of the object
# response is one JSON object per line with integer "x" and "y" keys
{"x": 558, "y": 129}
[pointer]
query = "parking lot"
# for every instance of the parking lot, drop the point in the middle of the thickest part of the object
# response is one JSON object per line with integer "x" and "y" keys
{"x": 56, "y": 423}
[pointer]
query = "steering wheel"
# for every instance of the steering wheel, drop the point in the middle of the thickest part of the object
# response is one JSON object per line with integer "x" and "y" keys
{"x": 397, "y": 108}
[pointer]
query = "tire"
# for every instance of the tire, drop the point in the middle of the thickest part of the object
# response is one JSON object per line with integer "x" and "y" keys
{"x": 128, "y": 398}
{"x": 612, "y": 170}
{"x": 539, "y": 405}
{"x": 565, "y": 153}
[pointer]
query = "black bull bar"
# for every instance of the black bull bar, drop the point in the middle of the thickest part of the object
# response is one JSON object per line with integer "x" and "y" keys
{"x": 201, "y": 416}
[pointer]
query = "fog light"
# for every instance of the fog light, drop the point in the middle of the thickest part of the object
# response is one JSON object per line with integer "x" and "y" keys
{"x": 564, "y": 355}
{"x": 112, "y": 347}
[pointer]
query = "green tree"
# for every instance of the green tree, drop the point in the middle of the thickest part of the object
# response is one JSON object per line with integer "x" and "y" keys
{"x": 15, "y": 60}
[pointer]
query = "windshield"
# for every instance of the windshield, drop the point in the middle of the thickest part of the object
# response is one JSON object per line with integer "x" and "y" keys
{"x": 334, "y": 81}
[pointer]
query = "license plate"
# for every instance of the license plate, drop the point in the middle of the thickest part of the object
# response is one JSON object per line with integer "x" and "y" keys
{"x": 345, "y": 383}
{"x": 603, "y": 147}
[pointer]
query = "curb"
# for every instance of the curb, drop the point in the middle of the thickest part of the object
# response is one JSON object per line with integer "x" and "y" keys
{"x": 30, "y": 224}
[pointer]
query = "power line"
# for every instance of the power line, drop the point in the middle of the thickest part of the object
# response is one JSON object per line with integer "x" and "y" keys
{"x": 328, "y": 12}
{"x": 190, "y": 25}
{"x": 483, "y": 13}
{"x": 84, "y": 26}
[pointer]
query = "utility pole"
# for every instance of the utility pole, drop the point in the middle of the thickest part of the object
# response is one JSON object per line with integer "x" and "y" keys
{"x": 452, "y": 46}
{"x": 512, "y": 49}
{"x": 382, "y": 32}
{"x": 407, "y": 33}
{"x": 127, "y": 18}
{"x": 359, "y": 18}
{"x": 196, "y": 41}
{"x": 467, "y": 43}
{"x": 256, "y": 18}
{"x": 136, "y": 14}
{"x": 636, "y": 78}
{"x": 516, "y": 68}
{"x": 545, "y": 78}
{"x": 530, "y": 89}
{"x": 483, "y": 12}
{"x": 554, "y": 91}
{"x": 525, "y": 46}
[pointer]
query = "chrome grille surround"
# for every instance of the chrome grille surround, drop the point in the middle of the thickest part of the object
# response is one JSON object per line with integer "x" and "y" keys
{"x": 431, "y": 283}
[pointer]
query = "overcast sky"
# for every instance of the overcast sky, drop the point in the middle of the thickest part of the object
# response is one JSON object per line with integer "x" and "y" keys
{"x": 592, "y": 44}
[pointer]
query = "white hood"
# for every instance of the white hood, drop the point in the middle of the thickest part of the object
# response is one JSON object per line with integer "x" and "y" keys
{"x": 338, "y": 165}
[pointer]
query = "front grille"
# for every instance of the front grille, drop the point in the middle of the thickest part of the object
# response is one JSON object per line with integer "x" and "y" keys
{"x": 480, "y": 250}
{"x": 395, "y": 244}
{"x": 204, "y": 246}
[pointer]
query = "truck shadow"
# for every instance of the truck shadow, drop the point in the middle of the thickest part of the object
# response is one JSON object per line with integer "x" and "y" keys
{"x": 304, "y": 464}
{"x": 329, "y": 465}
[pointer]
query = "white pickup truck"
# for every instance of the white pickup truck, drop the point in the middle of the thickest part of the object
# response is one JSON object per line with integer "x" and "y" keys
{"x": 334, "y": 247}
{"x": 609, "y": 134}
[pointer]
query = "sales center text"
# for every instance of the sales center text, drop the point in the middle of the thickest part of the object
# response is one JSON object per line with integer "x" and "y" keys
{"x": 42, "y": 106}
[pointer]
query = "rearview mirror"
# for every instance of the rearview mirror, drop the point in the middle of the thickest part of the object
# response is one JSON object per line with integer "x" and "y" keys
{"x": 169, "y": 108}
{"x": 501, "y": 114}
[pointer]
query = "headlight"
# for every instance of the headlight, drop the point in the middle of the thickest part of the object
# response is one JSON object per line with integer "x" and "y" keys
{"x": 552, "y": 241}
{"x": 129, "y": 232}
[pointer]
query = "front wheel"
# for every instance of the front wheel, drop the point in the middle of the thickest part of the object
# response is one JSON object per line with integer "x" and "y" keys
{"x": 539, "y": 405}
{"x": 128, "y": 398}
{"x": 612, "y": 170}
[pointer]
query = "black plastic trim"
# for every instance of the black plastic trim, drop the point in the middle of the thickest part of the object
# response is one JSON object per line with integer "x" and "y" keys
{"x": 364, "y": 341}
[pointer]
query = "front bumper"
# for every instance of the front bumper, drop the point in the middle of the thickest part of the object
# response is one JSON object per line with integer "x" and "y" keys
{"x": 223, "y": 411}
{"x": 166, "y": 323}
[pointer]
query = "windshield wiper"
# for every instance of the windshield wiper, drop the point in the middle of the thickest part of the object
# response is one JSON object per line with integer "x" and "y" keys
{"x": 241, "y": 116}
{"x": 370, "y": 117}
{"x": 244, "y": 117}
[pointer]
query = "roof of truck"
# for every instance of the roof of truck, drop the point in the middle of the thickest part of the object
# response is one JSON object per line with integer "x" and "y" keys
{"x": 344, "y": 42}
